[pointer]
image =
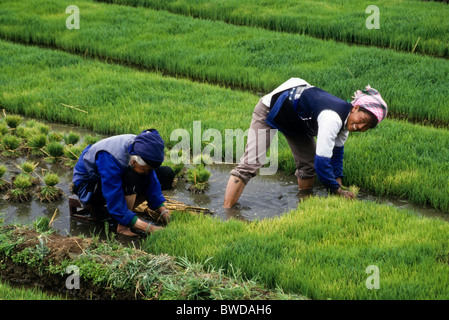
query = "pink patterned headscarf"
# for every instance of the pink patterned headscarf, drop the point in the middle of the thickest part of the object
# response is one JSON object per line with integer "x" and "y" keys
{"x": 371, "y": 100}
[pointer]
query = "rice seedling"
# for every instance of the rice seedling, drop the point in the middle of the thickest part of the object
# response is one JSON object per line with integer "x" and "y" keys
{"x": 55, "y": 137}
{"x": 3, "y": 129}
{"x": 32, "y": 123}
{"x": 322, "y": 249}
{"x": 323, "y": 20}
{"x": 202, "y": 159}
{"x": 37, "y": 144}
{"x": 54, "y": 151}
{"x": 10, "y": 292}
{"x": 177, "y": 168}
{"x": 26, "y": 133}
{"x": 13, "y": 121}
{"x": 71, "y": 138}
{"x": 28, "y": 168}
{"x": 229, "y": 55}
{"x": 90, "y": 139}
{"x": 19, "y": 132}
{"x": 198, "y": 176}
{"x": 20, "y": 191}
{"x": 43, "y": 128}
{"x": 354, "y": 189}
{"x": 11, "y": 145}
{"x": 49, "y": 192}
{"x": 4, "y": 184}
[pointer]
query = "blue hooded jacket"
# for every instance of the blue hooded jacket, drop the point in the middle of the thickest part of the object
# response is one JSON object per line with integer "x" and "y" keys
{"x": 105, "y": 162}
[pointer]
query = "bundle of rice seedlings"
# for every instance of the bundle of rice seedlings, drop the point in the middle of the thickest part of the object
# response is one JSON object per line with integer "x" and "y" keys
{"x": 3, "y": 129}
{"x": 54, "y": 151}
{"x": 4, "y": 185}
{"x": 20, "y": 191}
{"x": 28, "y": 169}
{"x": 198, "y": 176}
{"x": 26, "y": 133}
{"x": 202, "y": 159}
{"x": 11, "y": 145}
{"x": 19, "y": 132}
{"x": 37, "y": 144}
{"x": 13, "y": 121}
{"x": 54, "y": 137}
{"x": 31, "y": 123}
{"x": 172, "y": 205}
{"x": 353, "y": 188}
{"x": 49, "y": 192}
{"x": 43, "y": 128}
{"x": 71, "y": 138}
{"x": 89, "y": 139}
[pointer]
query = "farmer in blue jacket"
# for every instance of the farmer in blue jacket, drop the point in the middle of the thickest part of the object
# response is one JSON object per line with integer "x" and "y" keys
{"x": 117, "y": 170}
{"x": 302, "y": 112}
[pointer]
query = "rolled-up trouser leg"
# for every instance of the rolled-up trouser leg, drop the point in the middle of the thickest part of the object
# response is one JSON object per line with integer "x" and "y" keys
{"x": 256, "y": 149}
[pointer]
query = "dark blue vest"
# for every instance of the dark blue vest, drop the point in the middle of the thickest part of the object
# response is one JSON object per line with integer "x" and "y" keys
{"x": 295, "y": 116}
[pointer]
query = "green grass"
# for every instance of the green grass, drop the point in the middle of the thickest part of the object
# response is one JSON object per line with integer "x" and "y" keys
{"x": 238, "y": 56}
{"x": 322, "y": 249}
{"x": 338, "y": 20}
{"x": 401, "y": 159}
{"x": 8, "y": 292}
{"x": 396, "y": 158}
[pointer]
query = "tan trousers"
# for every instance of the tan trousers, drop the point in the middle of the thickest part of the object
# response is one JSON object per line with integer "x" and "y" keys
{"x": 302, "y": 147}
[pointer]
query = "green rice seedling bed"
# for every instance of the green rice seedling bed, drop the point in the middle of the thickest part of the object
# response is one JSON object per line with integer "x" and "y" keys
{"x": 8, "y": 292}
{"x": 338, "y": 20}
{"x": 324, "y": 249}
{"x": 397, "y": 158}
{"x": 242, "y": 57}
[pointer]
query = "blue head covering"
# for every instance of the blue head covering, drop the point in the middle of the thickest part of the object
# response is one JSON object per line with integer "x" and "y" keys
{"x": 150, "y": 147}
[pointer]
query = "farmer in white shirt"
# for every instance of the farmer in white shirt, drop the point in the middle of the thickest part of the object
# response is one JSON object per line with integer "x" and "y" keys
{"x": 302, "y": 112}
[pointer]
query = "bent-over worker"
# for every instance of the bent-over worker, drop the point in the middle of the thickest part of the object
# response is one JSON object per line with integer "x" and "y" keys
{"x": 302, "y": 112}
{"x": 120, "y": 169}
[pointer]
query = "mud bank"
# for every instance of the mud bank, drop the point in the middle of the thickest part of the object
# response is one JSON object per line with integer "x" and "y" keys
{"x": 110, "y": 271}
{"x": 59, "y": 249}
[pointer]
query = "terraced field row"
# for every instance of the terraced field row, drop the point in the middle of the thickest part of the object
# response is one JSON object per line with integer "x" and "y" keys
{"x": 122, "y": 100}
{"x": 236, "y": 56}
{"x": 402, "y": 25}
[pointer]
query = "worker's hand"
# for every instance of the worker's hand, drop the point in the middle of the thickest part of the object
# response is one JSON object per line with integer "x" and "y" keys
{"x": 346, "y": 194}
{"x": 165, "y": 215}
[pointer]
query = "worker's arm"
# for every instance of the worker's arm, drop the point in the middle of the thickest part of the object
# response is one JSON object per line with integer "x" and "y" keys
{"x": 110, "y": 173}
{"x": 153, "y": 191}
{"x": 154, "y": 196}
{"x": 329, "y": 157}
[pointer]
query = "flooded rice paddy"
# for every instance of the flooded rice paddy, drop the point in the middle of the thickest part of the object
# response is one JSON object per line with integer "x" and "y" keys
{"x": 264, "y": 196}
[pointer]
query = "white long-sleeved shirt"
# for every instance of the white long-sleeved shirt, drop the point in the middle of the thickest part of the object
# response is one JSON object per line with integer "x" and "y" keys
{"x": 329, "y": 123}
{"x": 330, "y": 133}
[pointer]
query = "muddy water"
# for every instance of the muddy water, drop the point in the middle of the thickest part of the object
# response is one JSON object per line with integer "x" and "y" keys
{"x": 264, "y": 197}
